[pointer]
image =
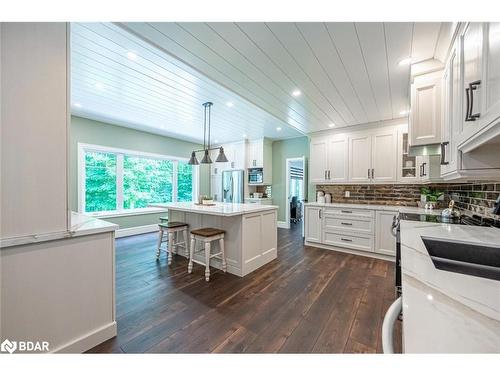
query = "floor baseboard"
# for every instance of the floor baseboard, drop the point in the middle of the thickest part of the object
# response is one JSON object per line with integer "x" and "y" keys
{"x": 283, "y": 224}
{"x": 92, "y": 339}
{"x": 136, "y": 230}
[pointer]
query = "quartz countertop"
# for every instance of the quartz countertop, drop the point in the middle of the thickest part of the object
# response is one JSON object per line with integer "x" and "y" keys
{"x": 377, "y": 207}
{"x": 81, "y": 225}
{"x": 447, "y": 312}
{"x": 220, "y": 209}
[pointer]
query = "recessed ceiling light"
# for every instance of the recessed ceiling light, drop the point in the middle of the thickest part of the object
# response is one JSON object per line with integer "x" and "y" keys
{"x": 404, "y": 113}
{"x": 331, "y": 125}
{"x": 99, "y": 86}
{"x": 405, "y": 61}
{"x": 244, "y": 136}
{"x": 296, "y": 93}
{"x": 229, "y": 104}
{"x": 77, "y": 105}
{"x": 131, "y": 55}
{"x": 278, "y": 129}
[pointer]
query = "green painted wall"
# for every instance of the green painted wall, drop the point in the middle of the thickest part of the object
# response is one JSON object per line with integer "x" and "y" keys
{"x": 103, "y": 134}
{"x": 288, "y": 148}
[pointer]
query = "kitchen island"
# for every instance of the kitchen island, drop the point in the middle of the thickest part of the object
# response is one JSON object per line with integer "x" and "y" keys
{"x": 251, "y": 231}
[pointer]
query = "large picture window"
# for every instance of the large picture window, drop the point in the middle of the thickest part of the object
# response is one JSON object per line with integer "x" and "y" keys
{"x": 115, "y": 180}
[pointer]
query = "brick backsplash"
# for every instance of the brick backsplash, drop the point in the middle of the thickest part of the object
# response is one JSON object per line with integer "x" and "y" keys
{"x": 478, "y": 197}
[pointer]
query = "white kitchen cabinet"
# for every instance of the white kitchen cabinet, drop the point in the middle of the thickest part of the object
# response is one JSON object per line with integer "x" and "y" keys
{"x": 425, "y": 115}
{"x": 260, "y": 155}
{"x": 451, "y": 112}
{"x": 314, "y": 224}
{"x": 407, "y": 165}
{"x": 373, "y": 157}
{"x": 337, "y": 166}
{"x": 328, "y": 159}
{"x": 384, "y": 156}
{"x": 385, "y": 242}
{"x": 360, "y": 157}
{"x": 318, "y": 160}
{"x": 468, "y": 148}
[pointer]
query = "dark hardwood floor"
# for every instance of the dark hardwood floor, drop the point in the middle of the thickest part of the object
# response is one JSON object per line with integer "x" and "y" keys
{"x": 308, "y": 300}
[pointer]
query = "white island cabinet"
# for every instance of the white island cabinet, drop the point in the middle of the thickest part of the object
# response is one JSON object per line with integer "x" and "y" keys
{"x": 250, "y": 240}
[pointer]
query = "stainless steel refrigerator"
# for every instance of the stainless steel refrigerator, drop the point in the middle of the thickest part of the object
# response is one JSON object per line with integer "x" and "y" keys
{"x": 232, "y": 186}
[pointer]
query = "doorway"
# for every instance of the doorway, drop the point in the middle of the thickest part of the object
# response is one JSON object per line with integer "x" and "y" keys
{"x": 296, "y": 192}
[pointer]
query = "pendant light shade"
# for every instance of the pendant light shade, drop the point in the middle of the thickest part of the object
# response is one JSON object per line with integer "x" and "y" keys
{"x": 206, "y": 158}
{"x": 193, "y": 160}
{"x": 221, "y": 158}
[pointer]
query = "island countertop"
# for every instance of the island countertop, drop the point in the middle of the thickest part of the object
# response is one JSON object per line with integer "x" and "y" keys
{"x": 220, "y": 209}
{"x": 447, "y": 312}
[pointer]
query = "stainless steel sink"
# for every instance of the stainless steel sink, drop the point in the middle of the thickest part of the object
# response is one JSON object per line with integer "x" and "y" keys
{"x": 464, "y": 257}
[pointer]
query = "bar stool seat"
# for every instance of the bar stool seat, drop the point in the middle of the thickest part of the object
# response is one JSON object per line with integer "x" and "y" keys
{"x": 163, "y": 219}
{"x": 207, "y": 236}
{"x": 172, "y": 229}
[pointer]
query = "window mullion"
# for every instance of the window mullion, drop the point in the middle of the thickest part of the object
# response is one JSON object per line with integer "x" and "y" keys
{"x": 119, "y": 182}
{"x": 174, "y": 180}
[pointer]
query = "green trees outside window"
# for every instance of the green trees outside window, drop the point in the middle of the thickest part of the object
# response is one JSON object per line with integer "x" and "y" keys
{"x": 145, "y": 180}
{"x": 184, "y": 182}
{"x": 100, "y": 181}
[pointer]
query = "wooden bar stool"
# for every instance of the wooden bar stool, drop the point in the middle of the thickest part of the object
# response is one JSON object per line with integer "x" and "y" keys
{"x": 207, "y": 235}
{"x": 173, "y": 229}
{"x": 163, "y": 219}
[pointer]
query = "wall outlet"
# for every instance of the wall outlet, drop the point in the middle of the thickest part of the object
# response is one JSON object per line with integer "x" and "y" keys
{"x": 347, "y": 194}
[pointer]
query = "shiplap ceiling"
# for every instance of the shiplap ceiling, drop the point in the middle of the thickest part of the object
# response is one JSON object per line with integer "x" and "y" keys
{"x": 119, "y": 78}
{"x": 346, "y": 73}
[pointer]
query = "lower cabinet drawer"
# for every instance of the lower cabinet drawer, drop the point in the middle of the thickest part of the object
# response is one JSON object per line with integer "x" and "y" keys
{"x": 364, "y": 243}
{"x": 335, "y": 223}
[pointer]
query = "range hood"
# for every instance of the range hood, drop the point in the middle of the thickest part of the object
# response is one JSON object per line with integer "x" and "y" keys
{"x": 434, "y": 149}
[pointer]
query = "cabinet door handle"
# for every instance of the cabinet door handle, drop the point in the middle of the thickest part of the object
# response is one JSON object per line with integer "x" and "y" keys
{"x": 319, "y": 213}
{"x": 369, "y": 173}
{"x": 346, "y": 239}
{"x": 443, "y": 153}
{"x": 325, "y": 174}
{"x": 328, "y": 174}
{"x": 469, "y": 92}
{"x": 345, "y": 223}
{"x": 423, "y": 169}
{"x": 373, "y": 173}
{"x": 346, "y": 212}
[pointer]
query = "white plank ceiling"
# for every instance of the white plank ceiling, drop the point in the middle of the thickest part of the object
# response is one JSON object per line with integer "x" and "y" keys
{"x": 346, "y": 74}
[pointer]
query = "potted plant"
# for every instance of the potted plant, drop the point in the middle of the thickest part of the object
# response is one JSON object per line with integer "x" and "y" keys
{"x": 430, "y": 196}
{"x": 207, "y": 199}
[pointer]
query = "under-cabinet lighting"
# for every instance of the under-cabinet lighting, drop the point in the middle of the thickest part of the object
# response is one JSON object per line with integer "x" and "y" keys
{"x": 131, "y": 55}
{"x": 296, "y": 93}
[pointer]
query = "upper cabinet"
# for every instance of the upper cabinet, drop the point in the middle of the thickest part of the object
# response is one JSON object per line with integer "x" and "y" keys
{"x": 471, "y": 104}
{"x": 407, "y": 165}
{"x": 328, "y": 159}
{"x": 260, "y": 155}
{"x": 355, "y": 157}
{"x": 479, "y": 48}
{"x": 425, "y": 115}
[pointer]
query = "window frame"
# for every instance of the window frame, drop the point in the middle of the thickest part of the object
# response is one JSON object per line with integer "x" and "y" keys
{"x": 120, "y": 153}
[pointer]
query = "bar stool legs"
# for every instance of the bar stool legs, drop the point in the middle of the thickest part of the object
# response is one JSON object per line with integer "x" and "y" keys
{"x": 173, "y": 231}
{"x": 171, "y": 247}
{"x": 206, "y": 236}
{"x": 223, "y": 254}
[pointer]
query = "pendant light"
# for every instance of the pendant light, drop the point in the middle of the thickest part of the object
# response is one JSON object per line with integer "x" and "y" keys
{"x": 221, "y": 158}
